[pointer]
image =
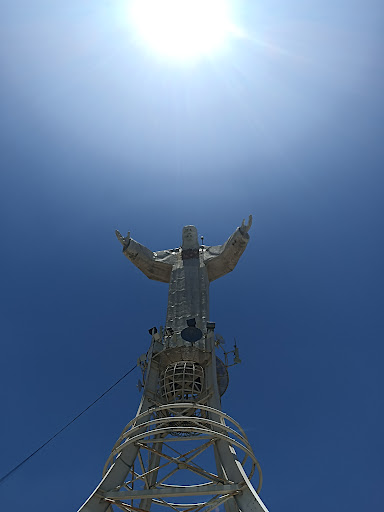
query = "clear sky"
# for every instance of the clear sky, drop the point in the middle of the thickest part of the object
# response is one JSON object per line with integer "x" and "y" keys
{"x": 100, "y": 132}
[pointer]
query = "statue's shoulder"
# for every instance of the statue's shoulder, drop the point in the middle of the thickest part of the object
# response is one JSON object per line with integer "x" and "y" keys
{"x": 167, "y": 256}
{"x": 211, "y": 251}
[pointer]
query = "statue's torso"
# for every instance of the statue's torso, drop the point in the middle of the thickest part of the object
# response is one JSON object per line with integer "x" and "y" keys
{"x": 188, "y": 290}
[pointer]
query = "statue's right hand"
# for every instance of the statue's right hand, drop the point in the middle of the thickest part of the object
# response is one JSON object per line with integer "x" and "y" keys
{"x": 244, "y": 228}
{"x": 123, "y": 240}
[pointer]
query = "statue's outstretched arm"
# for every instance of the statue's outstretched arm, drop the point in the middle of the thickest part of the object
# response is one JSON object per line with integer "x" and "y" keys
{"x": 221, "y": 259}
{"x": 144, "y": 259}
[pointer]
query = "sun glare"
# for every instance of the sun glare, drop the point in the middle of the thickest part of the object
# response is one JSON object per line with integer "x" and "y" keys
{"x": 182, "y": 29}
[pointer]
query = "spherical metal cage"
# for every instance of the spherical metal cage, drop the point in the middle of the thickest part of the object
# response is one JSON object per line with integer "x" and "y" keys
{"x": 182, "y": 381}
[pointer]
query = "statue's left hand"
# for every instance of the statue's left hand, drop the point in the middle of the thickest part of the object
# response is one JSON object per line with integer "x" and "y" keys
{"x": 123, "y": 240}
{"x": 244, "y": 228}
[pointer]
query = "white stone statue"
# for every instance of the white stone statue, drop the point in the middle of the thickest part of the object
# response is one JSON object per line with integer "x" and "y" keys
{"x": 188, "y": 270}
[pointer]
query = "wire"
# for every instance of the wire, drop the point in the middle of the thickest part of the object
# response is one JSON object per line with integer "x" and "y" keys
{"x": 3, "y": 478}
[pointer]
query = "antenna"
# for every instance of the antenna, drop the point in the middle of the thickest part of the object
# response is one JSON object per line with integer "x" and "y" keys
{"x": 236, "y": 359}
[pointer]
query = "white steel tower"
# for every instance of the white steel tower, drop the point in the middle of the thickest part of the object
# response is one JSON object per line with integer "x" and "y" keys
{"x": 182, "y": 452}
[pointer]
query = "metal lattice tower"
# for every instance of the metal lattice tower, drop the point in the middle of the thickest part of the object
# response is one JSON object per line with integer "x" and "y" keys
{"x": 181, "y": 452}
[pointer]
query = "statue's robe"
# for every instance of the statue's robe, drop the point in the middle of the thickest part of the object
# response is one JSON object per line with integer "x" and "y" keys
{"x": 188, "y": 272}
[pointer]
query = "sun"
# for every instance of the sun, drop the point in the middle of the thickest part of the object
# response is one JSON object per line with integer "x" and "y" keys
{"x": 182, "y": 29}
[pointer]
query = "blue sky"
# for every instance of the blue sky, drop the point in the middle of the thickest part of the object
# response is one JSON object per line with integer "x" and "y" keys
{"x": 99, "y": 133}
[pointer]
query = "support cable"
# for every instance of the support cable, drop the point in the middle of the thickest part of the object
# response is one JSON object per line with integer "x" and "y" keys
{"x": 3, "y": 478}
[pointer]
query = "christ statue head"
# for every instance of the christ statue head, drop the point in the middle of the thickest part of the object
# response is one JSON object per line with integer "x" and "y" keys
{"x": 190, "y": 238}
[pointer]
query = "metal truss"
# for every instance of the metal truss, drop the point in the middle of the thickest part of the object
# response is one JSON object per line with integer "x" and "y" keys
{"x": 165, "y": 459}
{"x": 180, "y": 452}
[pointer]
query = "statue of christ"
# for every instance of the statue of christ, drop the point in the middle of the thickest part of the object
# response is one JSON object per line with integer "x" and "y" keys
{"x": 188, "y": 269}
